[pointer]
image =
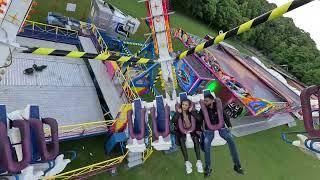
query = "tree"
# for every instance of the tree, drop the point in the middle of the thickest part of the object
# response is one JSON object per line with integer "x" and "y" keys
{"x": 312, "y": 77}
{"x": 228, "y": 15}
{"x": 209, "y": 10}
{"x": 279, "y": 39}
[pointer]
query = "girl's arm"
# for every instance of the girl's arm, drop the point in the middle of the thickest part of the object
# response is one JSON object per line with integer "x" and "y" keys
{"x": 175, "y": 117}
{"x": 199, "y": 119}
{"x": 196, "y": 115}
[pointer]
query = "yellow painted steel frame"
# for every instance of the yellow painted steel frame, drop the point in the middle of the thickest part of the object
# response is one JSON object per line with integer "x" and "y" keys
{"x": 129, "y": 93}
{"x": 51, "y": 28}
{"x": 99, "y": 38}
{"x": 74, "y": 128}
{"x": 89, "y": 169}
{"x": 123, "y": 111}
{"x": 149, "y": 151}
{"x": 101, "y": 165}
{"x": 92, "y": 125}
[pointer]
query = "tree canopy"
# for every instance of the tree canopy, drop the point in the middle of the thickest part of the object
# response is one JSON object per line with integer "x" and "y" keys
{"x": 280, "y": 39}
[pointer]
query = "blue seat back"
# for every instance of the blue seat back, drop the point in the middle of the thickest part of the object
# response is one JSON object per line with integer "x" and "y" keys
{"x": 206, "y": 92}
{"x": 3, "y": 119}
{"x": 34, "y": 113}
{"x": 160, "y": 114}
{"x": 3, "y": 114}
{"x": 137, "y": 116}
{"x": 183, "y": 96}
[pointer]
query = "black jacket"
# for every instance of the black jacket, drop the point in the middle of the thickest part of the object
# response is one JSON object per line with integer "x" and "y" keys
{"x": 193, "y": 113}
{"x": 213, "y": 116}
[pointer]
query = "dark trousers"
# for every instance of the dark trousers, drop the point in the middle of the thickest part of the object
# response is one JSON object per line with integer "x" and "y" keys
{"x": 225, "y": 134}
{"x": 196, "y": 142}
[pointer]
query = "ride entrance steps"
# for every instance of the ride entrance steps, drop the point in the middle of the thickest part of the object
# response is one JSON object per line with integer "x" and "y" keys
{"x": 134, "y": 159}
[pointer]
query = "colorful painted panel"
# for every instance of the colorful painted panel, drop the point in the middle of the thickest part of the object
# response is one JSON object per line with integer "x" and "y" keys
{"x": 186, "y": 77}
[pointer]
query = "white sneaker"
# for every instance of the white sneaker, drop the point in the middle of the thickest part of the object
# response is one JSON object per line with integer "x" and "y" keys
{"x": 199, "y": 166}
{"x": 188, "y": 167}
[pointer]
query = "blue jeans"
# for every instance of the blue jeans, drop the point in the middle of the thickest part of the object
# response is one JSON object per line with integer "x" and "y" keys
{"x": 225, "y": 134}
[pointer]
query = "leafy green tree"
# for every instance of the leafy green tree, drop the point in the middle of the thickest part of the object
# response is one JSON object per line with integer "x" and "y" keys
{"x": 228, "y": 14}
{"x": 280, "y": 40}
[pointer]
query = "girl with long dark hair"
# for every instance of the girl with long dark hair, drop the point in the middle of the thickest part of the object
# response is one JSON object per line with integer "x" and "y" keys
{"x": 189, "y": 124}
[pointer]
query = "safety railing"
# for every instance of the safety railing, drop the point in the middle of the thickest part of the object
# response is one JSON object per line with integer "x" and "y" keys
{"x": 122, "y": 80}
{"x": 91, "y": 169}
{"x": 175, "y": 81}
{"x": 122, "y": 115}
{"x": 76, "y": 130}
{"x": 147, "y": 153}
{"x": 132, "y": 43}
{"x": 42, "y": 27}
{"x": 279, "y": 106}
{"x": 98, "y": 167}
{"x": 90, "y": 128}
{"x": 99, "y": 38}
{"x": 125, "y": 85}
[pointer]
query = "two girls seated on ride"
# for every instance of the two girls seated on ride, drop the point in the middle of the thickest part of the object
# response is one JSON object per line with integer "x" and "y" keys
{"x": 191, "y": 122}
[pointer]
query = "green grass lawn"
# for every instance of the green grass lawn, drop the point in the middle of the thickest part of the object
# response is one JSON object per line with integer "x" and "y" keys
{"x": 264, "y": 156}
{"x": 44, "y": 6}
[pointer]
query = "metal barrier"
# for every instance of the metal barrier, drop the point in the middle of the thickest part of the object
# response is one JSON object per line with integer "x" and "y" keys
{"x": 84, "y": 129}
{"x": 90, "y": 128}
{"x": 93, "y": 169}
{"x": 99, "y": 38}
{"x": 90, "y": 170}
{"x": 41, "y": 27}
{"x": 98, "y": 167}
{"x": 149, "y": 151}
{"x": 125, "y": 85}
{"x": 122, "y": 80}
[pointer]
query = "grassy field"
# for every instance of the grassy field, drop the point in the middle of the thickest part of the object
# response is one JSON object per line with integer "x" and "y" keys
{"x": 44, "y": 6}
{"x": 264, "y": 156}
